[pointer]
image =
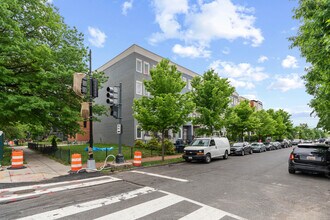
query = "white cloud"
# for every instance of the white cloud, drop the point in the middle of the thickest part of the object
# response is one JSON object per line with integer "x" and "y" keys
{"x": 126, "y": 6}
{"x": 226, "y": 50}
{"x": 97, "y": 37}
{"x": 190, "y": 51}
{"x": 290, "y": 62}
{"x": 201, "y": 23}
{"x": 241, "y": 84}
{"x": 286, "y": 83}
{"x": 262, "y": 59}
{"x": 243, "y": 71}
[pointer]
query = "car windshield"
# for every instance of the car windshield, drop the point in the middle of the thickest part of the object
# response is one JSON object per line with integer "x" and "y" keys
{"x": 238, "y": 145}
{"x": 254, "y": 144}
{"x": 200, "y": 142}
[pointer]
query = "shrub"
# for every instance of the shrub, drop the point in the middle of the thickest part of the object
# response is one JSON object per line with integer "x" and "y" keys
{"x": 169, "y": 147}
{"x": 153, "y": 144}
{"x": 139, "y": 144}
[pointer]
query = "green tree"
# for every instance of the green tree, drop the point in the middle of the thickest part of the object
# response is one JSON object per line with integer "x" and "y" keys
{"x": 211, "y": 96}
{"x": 241, "y": 119}
{"x": 167, "y": 108}
{"x": 267, "y": 124}
{"x": 314, "y": 43}
{"x": 38, "y": 56}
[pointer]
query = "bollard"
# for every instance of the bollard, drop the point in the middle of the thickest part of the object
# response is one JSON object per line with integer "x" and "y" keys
{"x": 17, "y": 159}
{"x": 76, "y": 162}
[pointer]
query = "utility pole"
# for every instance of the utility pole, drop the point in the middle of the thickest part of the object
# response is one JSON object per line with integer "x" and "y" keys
{"x": 120, "y": 156}
{"x": 91, "y": 161}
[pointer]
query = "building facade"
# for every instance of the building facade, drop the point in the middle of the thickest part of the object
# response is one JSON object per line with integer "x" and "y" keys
{"x": 131, "y": 68}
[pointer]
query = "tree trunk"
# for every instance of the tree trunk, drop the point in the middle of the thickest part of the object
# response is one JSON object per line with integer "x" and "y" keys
{"x": 163, "y": 147}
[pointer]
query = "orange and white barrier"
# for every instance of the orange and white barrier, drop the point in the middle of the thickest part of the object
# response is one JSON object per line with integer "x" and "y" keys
{"x": 17, "y": 159}
{"x": 137, "y": 158}
{"x": 76, "y": 162}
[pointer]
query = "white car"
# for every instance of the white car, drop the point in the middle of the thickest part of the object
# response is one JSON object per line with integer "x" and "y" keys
{"x": 206, "y": 149}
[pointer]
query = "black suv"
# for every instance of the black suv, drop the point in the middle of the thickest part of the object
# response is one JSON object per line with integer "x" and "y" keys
{"x": 310, "y": 158}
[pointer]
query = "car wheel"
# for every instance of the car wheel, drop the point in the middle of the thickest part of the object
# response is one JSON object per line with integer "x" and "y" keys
{"x": 292, "y": 171}
{"x": 251, "y": 151}
{"x": 243, "y": 153}
{"x": 226, "y": 155}
{"x": 208, "y": 158}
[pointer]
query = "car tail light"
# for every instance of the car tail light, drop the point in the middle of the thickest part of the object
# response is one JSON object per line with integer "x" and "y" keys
{"x": 291, "y": 156}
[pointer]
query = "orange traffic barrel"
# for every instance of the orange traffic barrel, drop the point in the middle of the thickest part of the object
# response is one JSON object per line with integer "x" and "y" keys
{"x": 17, "y": 159}
{"x": 76, "y": 162}
{"x": 137, "y": 158}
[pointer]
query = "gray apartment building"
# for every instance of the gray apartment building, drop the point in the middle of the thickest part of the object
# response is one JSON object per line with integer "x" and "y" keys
{"x": 130, "y": 68}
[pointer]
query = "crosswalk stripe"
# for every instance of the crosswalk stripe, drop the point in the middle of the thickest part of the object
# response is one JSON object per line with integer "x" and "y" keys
{"x": 144, "y": 209}
{"x": 75, "y": 209}
{"x": 205, "y": 212}
{"x": 14, "y": 197}
{"x": 161, "y": 176}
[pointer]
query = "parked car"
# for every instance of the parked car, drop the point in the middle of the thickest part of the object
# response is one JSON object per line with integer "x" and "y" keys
{"x": 284, "y": 144}
{"x": 310, "y": 158}
{"x": 206, "y": 149}
{"x": 296, "y": 141}
{"x": 241, "y": 148}
{"x": 269, "y": 146}
{"x": 258, "y": 147}
{"x": 276, "y": 145}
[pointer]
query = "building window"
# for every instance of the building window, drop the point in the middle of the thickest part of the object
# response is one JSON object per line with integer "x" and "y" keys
{"x": 189, "y": 84}
{"x": 180, "y": 134}
{"x": 138, "y": 65}
{"x": 184, "y": 79}
{"x": 145, "y": 91}
{"x": 138, "y": 88}
{"x": 138, "y": 132}
{"x": 146, "y": 68}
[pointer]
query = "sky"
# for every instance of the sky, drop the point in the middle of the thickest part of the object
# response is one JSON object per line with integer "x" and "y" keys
{"x": 245, "y": 41}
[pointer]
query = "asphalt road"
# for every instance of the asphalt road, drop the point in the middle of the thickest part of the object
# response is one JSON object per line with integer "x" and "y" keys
{"x": 256, "y": 186}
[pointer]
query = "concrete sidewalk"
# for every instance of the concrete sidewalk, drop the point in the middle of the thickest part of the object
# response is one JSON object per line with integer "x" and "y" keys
{"x": 38, "y": 168}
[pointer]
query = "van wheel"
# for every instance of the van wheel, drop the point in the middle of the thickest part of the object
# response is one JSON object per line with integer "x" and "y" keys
{"x": 208, "y": 158}
{"x": 226, "y": 155}
{"x": 243, "y": 153}
{"x": 251, "y": 151}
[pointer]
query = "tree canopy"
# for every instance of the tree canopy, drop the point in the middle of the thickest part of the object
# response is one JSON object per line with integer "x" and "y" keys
{"x": 211, "y": 95}
{"x": 38, "y": 55}
{"x": 166, "y": 108}
{"x": 313, "y": 40}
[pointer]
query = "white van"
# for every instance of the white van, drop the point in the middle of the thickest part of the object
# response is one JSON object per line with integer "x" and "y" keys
{"x": 207, "y": 148}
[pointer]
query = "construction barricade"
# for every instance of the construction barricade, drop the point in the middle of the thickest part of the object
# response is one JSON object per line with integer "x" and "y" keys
{"x": 137, "y": 158}
{"x": 76, "y": 164}
{"x": 17, "y": 159}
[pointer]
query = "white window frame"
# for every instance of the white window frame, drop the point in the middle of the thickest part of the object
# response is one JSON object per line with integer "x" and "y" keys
{"x": 139, "y": 65}
{"x": 145, "y": 92}
{"x": 146, "y": 71}
{"x": 136, "y": 132}
{"x": 140, "y": 91}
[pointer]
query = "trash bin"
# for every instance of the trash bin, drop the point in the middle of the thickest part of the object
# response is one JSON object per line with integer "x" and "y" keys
{"x": 179, "y": 146}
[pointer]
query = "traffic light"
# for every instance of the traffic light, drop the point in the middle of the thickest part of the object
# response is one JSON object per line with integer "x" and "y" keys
{"x": 95, "y": 89}
{"x": 80, "y": 84}
{"x": 112, "y": 96}
{"x": 114, "y": 111}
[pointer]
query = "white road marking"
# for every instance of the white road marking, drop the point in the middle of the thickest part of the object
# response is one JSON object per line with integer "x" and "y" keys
{"x": 205, "y": 212}
{"x": 74, "y": 209}
{"x": 137, "y": 211}
{"x": 39, "y": 191}
{"x": 38, "y": 186}
{"x": 144, "y": 209}
{"x": 161, "y": 176}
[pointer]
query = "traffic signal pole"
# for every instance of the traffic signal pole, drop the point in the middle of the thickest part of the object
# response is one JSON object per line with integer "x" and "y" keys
{"x": 91, "y": 161}
{"x": 120, "y": 156}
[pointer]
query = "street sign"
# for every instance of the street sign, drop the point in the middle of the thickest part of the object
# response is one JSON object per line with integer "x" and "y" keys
{"x": 118, "y": 128}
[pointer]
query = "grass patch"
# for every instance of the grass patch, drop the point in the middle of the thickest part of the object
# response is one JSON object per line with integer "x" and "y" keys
{"x": 160, "y": 162}
{"x": 99, "y": 156}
